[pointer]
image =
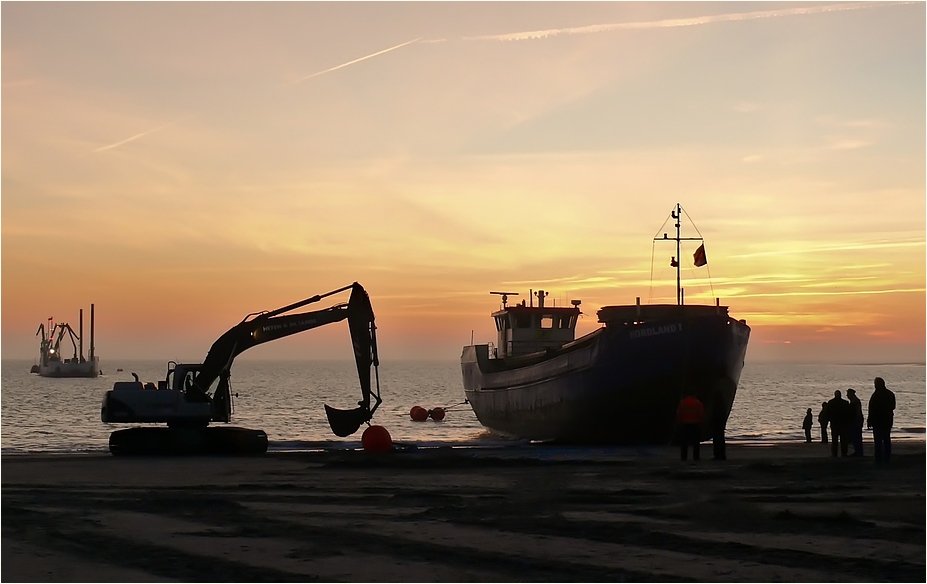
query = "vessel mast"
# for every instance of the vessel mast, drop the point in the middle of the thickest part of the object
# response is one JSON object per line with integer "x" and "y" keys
{"x": 676, "y": 262}
{"x": 676, "y": 213}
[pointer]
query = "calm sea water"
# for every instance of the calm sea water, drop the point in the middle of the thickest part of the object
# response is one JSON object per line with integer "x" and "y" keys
{"x": 285, "y": 400}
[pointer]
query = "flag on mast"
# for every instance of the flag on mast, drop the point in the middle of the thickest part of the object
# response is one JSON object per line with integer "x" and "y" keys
{"x": 699, "y": 256}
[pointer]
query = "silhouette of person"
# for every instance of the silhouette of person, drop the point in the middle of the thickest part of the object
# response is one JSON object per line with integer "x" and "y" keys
{"x": 823, "y": 421}
{"x": 689, "y": 414}
{"x": 855, "y": 422}
{"x": 807, "y": 424}
{"x": 838, "y": 411}
{"x": 880, "y": 419}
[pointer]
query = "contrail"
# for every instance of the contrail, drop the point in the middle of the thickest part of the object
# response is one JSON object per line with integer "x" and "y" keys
{"x": 678, "y": 22}
{"x": 336, "y": 67}
{"x": 127, "y": 140}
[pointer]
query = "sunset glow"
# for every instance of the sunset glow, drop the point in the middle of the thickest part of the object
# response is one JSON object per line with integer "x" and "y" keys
{"x": 181, "y": 165}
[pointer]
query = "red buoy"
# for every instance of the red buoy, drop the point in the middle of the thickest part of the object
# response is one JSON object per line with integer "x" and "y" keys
{"x": 418, "y": 414}
{"x": 376, "y": 439}
{"x": 437, "y": 414}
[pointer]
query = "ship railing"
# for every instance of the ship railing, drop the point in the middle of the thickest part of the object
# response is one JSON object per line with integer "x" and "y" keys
{"x": 527, "y": 347}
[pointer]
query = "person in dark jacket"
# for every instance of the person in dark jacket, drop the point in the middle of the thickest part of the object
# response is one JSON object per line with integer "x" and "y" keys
{"x": 689, "y": 414}
{"x": 807, "y": 424}
{"x": 855, "y": 422}
{"x": 880, "y": 419}
{"x": 823, "y": 421}
{"x": 838, "y": 411}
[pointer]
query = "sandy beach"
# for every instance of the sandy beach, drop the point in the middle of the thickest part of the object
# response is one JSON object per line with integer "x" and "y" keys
{"x": 782, "y": 513}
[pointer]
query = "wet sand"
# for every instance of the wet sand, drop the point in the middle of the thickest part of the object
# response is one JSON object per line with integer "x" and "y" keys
{"x": 782, "y": 513}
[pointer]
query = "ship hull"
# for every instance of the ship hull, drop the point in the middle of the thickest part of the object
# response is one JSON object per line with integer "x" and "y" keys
{"x": 68, "y": 369}
{"x": 618, "y": 385}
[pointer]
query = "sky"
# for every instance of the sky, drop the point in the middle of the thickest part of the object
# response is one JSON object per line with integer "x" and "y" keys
{"x": 181, "y": 165}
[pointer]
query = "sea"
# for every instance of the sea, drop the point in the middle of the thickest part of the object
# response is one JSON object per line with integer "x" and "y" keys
{"x": 285, "y": 399}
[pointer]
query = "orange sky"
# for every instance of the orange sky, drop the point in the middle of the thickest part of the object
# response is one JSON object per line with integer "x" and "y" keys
{"x": 183, "y": 165}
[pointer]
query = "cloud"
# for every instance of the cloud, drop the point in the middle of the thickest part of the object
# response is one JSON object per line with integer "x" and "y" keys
{"x": 341, "y": 66}
{"x": 848, "y": 144}
{"x": 746, "y": 107}
{"x": 18, "y": 83}
{"x": 834, "y": 121}
{"x": 837, "y": 247}
{"x": 679, "y": 22}
{"x": 829, "y": 293}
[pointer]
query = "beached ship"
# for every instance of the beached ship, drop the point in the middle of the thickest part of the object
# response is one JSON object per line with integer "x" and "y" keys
{"x": 620, "y": 384}
{"x": 51, "y": 363}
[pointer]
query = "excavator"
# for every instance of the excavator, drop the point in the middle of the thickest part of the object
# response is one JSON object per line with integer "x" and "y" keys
{"x": 191, "y": 396}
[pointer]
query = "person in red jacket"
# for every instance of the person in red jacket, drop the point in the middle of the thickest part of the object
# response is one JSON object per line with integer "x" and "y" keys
{"x": 689, "y": 414}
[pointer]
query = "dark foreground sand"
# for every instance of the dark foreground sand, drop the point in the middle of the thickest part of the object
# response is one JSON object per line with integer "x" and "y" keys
{"x": 785, "y": 513}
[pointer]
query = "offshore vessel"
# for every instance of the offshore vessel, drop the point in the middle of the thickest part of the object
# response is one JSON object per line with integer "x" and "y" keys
{"x": 621, "y": 383}
{"x": 52, "y": 364}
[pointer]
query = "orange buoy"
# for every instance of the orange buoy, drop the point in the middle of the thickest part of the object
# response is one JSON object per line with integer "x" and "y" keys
{"x": 418, "y": 414}
{"x": 376, "y": 439}
{"x": 436, "y": 414}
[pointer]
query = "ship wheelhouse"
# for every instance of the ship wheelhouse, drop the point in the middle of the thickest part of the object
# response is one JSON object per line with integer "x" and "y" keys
{"x": 522, "y": 329}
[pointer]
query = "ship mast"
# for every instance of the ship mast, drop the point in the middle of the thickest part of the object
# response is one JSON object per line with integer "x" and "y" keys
{"x": 676, "y": 262}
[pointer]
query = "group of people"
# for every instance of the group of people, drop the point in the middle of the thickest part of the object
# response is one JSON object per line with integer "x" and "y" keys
{"x": 846, "y": 422}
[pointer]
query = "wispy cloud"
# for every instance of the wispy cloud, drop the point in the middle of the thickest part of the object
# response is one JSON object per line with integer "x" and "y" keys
{"x": 834, "y": 121}
{"x": 680, "y": 22}
{"x": 838, "y": 247}
{"x": 746, "y": 107}
{"x": 849, "y": 144}
{"x": 830, "y": 293}
{"x": 129, "y": 139}
{"x": 18, "y": 83}
{"x": 343, "y": 65}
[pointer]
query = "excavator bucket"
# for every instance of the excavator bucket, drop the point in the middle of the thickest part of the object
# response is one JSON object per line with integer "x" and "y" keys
{"x": 345, "y": 422}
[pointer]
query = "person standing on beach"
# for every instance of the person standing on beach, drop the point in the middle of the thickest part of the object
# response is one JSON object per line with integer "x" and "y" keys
{"x": 880, "y": 419}
{"x": 856, "y": 422}
{"x": 823, "y": 421}
{"x": 838, "y": 412}
{"x": 807, "y": 424}
{"x": 689, "y": 414}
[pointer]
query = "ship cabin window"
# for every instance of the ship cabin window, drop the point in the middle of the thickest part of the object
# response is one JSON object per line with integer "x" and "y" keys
{"x": 500, "y": 323}
{"x": 547, "y": 322}
{"x": 521, "y": 320}
{"x": 567, "y": 321}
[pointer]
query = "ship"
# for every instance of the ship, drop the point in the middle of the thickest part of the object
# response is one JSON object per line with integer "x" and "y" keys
{"x": 51, "y": 362}
{"x": 620, "y": 384}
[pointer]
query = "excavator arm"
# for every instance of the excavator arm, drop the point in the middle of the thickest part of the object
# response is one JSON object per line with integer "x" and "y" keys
{"x": 269, "y": 326}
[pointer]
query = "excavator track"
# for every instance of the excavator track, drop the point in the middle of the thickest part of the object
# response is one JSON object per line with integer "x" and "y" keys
{"x": 210, "y": 440}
